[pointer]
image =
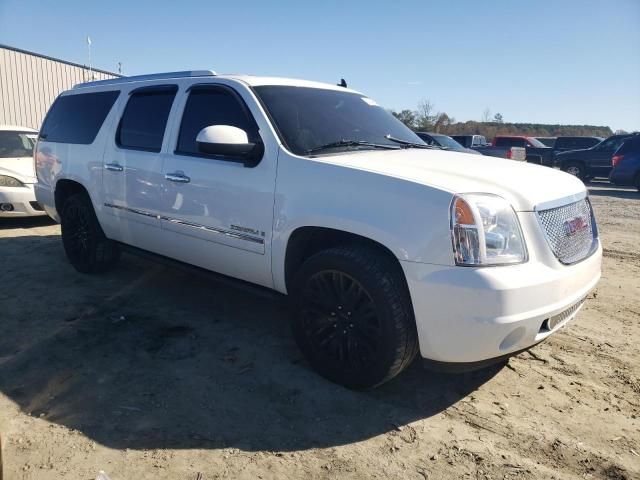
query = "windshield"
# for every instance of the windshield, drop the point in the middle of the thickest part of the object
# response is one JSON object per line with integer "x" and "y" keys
{"x": 309, "y": 118}
{"x": 448, "y": 142}
{"x": 16, "y": 144}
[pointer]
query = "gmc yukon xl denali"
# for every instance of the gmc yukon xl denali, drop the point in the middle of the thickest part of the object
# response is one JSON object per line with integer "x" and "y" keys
{"x": 388, "y": 248}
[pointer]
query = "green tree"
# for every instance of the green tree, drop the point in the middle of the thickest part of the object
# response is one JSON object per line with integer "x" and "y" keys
{"x": 497, "y": 118}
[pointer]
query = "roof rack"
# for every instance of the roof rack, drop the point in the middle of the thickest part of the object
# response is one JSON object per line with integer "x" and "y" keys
{"x": 153, "y": 76}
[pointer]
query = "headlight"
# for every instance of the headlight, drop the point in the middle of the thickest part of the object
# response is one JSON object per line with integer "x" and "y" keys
{"x": 10, "y": 182}
{"x": 485, "y": 231}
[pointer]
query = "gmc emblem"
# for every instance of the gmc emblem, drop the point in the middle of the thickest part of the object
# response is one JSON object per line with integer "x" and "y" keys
{"x": 575, "y": 225}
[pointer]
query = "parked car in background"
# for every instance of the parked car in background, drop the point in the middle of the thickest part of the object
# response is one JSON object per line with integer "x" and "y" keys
{"x": 306, "y": 188}
{"x": 17, "y": 172}
{"x": 547, "y": 141}
{"x": 479, "y": 144}
{"x": 626, "y": 163}
{"x": 591, "y": 162}
{"x": 470, "y": 141}
{"x": 537, "y": 152}
{"x": 445, "y": 142}
{"x": 564, "y": 144}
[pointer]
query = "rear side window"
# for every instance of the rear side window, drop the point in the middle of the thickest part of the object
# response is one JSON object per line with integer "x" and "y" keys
{"x": 630, "y": 145}
{"x": 208, "y": 106}
{"x": 145, "y": 118}
{"x": 77, "y": 118}
{"x": 510, "y": 142}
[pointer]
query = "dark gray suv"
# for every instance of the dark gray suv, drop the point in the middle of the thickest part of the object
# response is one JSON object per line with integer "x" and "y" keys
{"x": 591, "y": 162}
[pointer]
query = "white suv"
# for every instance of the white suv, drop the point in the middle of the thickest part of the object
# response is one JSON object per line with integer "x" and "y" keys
{"x": 386, "y": 245}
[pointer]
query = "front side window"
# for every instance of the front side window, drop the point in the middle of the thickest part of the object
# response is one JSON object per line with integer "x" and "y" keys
{"x": 77, "y": 118}
{"x": 308, "y": 118}
{"x": 16, "y": 144}
{"x": 212, "y": 105}
{"x": 145, "y": 118}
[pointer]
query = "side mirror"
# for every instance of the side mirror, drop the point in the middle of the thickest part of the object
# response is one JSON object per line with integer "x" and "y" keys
{"x": 229, "y": 141}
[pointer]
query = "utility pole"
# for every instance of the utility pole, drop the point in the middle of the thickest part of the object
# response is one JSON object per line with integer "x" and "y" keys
{"x": 89, "y": 49}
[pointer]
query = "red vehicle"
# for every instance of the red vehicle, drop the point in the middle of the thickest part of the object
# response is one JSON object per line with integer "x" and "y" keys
{"x": 537, "y": 152}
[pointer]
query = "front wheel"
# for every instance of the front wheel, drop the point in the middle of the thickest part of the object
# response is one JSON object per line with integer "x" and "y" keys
{"x": 354, "y": 320}
{"x": 86, "y": 246}
{"x": 575, "y": 169}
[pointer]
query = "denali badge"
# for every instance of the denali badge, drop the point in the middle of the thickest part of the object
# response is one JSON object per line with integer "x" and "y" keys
{"x": 575, "y": 225}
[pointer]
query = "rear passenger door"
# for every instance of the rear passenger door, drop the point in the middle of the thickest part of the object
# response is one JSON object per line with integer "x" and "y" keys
{"x": 132, "y": 178}
{"x": 217, "y": 213}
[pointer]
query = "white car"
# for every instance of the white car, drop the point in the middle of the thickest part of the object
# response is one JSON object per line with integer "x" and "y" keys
{"x": 388, "y": 247}
{"x": 17, "y": 172}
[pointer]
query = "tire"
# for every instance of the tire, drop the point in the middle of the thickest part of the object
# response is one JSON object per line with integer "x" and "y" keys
{"x": 86, "y": 246}
{"x": 576, "y": 169}
{"x": 353, "y": 317}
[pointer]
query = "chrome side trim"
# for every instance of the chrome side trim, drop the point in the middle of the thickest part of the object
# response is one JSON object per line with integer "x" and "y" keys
{"x": 133, "y": 210}
{"x": 219, "y": 231}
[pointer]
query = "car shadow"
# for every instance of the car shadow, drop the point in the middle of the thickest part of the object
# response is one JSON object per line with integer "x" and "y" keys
{"x": 606, "y": 189}
{"x": 149, "y": 356}
{"x": 7, "y": 223}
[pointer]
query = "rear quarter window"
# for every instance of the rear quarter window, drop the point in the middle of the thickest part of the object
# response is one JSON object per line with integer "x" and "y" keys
{"x": 77, "y": 118}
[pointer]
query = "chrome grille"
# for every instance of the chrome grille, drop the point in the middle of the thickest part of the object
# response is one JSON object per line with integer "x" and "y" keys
{"x": 570, "y": 230}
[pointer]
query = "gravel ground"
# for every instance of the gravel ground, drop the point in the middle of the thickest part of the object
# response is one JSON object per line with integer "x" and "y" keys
{"x": 154, "y": 372}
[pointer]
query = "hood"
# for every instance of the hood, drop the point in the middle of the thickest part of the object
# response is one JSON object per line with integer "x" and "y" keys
{"x": 21, "y": 168}
{"x": 523, "y": 184}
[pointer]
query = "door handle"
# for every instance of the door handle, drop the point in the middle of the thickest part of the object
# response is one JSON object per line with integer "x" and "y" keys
{"x": 113, "y": 167}
{"x": 177, "y": 177}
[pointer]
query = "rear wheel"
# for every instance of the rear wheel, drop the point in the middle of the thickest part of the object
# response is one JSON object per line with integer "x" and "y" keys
{"x": 576, "y": 169}
{"x": 354, "y": 321}
{"x": 86, "y": 246}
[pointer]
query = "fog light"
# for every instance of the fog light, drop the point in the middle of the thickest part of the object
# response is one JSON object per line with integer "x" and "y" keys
{"x": 6, "y": 207}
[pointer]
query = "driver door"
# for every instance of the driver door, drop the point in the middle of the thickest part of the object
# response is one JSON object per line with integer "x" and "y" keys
{"x": 217, "y": 213}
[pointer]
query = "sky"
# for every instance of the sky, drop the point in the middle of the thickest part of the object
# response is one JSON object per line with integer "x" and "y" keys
{"x": 543, "y": 61}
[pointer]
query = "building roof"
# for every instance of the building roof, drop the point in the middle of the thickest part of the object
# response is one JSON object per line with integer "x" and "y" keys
{"x": 20, "y": 50}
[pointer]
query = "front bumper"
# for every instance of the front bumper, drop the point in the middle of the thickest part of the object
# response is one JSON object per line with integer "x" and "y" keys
{"x": 22, "y": 201}
{"x": 466, "y": 314}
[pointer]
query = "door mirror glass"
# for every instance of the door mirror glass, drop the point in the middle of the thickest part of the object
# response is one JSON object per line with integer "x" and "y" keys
{"x": 224, "y": 140}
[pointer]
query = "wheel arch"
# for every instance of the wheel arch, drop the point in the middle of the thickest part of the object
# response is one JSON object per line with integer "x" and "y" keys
{"x": 64, "y": 189}
{"x": 305, "y": 241}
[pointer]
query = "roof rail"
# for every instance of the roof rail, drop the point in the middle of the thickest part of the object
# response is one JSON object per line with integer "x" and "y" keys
{"x": 153, "y": 76}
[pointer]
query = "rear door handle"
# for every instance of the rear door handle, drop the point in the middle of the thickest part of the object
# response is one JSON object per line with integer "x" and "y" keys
{"x": 113, "y": 167}
{"x": 177, "y": 177}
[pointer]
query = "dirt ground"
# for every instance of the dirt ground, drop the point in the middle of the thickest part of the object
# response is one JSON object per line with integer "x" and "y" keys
{"x": 153, "y": 372}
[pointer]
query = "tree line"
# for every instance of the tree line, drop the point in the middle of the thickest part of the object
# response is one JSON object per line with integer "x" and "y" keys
{"x": 427, "y": 119}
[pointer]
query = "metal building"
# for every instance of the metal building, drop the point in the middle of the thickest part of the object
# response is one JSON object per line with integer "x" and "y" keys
{"x": 30, "y": 82}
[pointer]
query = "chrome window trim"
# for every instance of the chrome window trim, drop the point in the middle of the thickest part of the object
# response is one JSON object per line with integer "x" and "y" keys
{"x": 560, "y": 202}
{"x": 219, "y": 231}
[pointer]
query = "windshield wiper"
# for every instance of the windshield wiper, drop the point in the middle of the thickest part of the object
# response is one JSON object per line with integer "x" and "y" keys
{"x": 410, "y": 144}
{"x": 350, "y": 143}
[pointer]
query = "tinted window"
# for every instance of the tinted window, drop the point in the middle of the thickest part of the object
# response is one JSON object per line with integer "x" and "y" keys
{"x": 212, "y": 106}
{"x": 630, "y": 145}
{"x": 611, "y": 144}
{"x": 461, "y": 139}
{"x": 16, "y": 144}
{"x": 77, "y": 118}
{"x": 145, "y": 118}
{"x": 510, "y": 142}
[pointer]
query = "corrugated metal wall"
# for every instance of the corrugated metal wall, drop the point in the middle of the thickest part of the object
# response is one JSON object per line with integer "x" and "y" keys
{"x": 30, "y": 83}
